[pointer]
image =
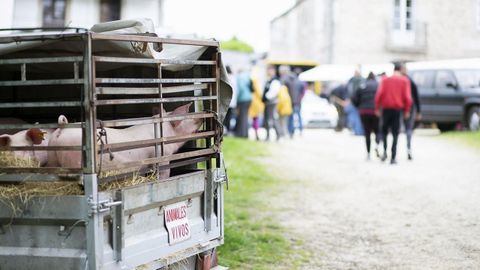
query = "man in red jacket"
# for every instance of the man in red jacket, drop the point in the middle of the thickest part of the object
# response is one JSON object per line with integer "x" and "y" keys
{"x": 392, "y": 99}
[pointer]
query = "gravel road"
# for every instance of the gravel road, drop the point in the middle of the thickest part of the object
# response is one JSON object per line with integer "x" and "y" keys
{"x": 350, "y": 213}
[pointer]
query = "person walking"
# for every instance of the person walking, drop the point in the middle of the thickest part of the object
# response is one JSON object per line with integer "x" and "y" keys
{"x": 392, "y": 98}
{"x": 256, "y": 107}
{"x": 244, "y": 98}
{"x": 296, "y": 96}
{"x": 284, "y": 109}
{"x": 338, "y": 97}
{"x": 353, "y": 118}
{"x": 288, "y": 79}
{"x": 364, "y": 101}
{"x": 415, "y": 114}
{"x": 270, "y": 98}
{"x": 233, "y": 102}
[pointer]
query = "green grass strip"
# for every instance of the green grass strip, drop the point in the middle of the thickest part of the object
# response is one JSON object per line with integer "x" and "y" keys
{"x": 252, "y": 239}
{"x": 468, "y": 138}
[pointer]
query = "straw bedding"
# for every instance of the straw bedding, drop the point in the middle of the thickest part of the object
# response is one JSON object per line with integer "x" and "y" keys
{"x": 26, "y": 190}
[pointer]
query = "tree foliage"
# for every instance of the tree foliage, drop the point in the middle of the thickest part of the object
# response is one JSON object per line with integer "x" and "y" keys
{"x": 235, "y": 44}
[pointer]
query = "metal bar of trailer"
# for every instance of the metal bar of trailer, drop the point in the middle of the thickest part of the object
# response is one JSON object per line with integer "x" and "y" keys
{"x": 43, "y": 29}
{"x": 177, "y": 164}
{"x": 115, "y": 147}
{"x": 41, "y": 148}
{"x": 151, "y": 61}
{"x": 64, "y": 59}
{"x": 41, "y": 82}
{"x": 41, "y": 104}
{"x": 159, "y": 126}
{"x": 93, "y": 231}
{"x": 23, "y": 68}
{"x": 36, "y": 177}
{"x": 211, "y": 125}
{"x": 46, "y": 170}
{"x": 42, "y": 36}
{"x": 27, "y": 126}
{"x": 153, "y": 80}
{"x": 151, "y": 100}
{"x": 150, "y": 161}
{"x": 101, "y": 36}
{"x": 151, "y": 120}
{"x": 148, "y": 90}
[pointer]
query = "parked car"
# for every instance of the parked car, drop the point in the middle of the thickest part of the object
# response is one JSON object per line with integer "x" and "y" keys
{"x": 449, "y": 94}
{"x": 317, "y": 112}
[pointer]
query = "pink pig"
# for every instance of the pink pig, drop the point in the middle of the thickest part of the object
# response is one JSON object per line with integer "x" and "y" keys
{"x": 73, "y": 137}
{"x": 29, "y": 137}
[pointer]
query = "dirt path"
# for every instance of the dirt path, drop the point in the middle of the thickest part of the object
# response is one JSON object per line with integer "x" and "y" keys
{"x": 356, "y": 214}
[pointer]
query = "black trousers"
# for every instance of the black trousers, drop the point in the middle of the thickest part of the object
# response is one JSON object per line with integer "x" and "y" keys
{"x": 341, "y": 117}
{"x": 241, "y": 126}
{"x": 228, "y": 118}
{"x": 370, "y": 124}
{"x": 391, "y": 122}
{"x": 271, "y": 119}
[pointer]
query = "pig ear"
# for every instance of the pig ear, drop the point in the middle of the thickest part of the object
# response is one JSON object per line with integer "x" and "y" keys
{"x": 5, "y": 140}
{"x": 182, "y": 109}
{"x": 35, "y": 135}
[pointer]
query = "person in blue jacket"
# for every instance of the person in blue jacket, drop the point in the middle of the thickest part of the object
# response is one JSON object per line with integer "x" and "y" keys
{"x": 244, "y": 98}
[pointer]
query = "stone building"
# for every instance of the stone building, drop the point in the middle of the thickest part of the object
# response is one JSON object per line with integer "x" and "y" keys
{"x": 76, "y": 13}
{"x": 376, "y": 31}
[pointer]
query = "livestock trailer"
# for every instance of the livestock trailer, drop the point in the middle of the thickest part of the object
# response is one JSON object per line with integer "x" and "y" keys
{"x": 113, "y": 76}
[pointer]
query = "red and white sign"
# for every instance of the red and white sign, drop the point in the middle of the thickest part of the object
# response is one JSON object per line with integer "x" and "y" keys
{"x": 176, "y": 221}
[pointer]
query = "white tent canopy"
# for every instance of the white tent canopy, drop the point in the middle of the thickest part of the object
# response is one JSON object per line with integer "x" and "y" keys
{"x": 341, "y": 73}
{"x": 328, "y": 73}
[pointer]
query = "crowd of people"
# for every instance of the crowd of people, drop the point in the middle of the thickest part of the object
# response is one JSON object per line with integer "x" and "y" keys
{"x": 377, "y": 106}
{"x": 277, "y": 107}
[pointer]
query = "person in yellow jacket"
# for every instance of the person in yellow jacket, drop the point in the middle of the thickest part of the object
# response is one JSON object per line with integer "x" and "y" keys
{"x": 284, "y": 108}
{"x": 256, "y": 107}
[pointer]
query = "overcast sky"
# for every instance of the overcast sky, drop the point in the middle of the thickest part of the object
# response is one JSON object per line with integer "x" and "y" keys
{"x": 249, "y": 20}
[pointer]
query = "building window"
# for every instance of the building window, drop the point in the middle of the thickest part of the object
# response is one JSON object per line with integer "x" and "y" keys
{"x": 109, "y": 10}
{"x": 53, "y": 13}
{"x": 403, "y": 15}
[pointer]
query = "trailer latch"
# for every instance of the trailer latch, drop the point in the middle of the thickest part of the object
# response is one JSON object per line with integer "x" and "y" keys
{"x": 102, "y": 206}
{"x": 221, "y": 175}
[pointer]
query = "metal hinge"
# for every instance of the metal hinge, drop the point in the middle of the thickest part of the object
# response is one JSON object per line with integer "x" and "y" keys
{"x": 101, "y": 206}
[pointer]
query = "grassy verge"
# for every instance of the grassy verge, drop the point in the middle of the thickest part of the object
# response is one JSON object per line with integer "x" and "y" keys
{"x": 471, "y": 139}
{"x": 252, "y": 239}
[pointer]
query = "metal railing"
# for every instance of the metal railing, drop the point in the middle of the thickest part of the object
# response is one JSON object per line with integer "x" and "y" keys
{"x": 119, "y": 92}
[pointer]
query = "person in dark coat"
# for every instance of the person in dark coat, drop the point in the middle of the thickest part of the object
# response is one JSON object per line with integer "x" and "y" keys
{"x": 338, "y": 97}
{"x": 296, "y": 95}
{"x": 364, "y": 101}
{"x": 415, "y": 114}
{"x": 353, "y": 117}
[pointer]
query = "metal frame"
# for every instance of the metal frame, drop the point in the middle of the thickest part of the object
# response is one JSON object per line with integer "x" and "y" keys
{"x": 93, "y": 88}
